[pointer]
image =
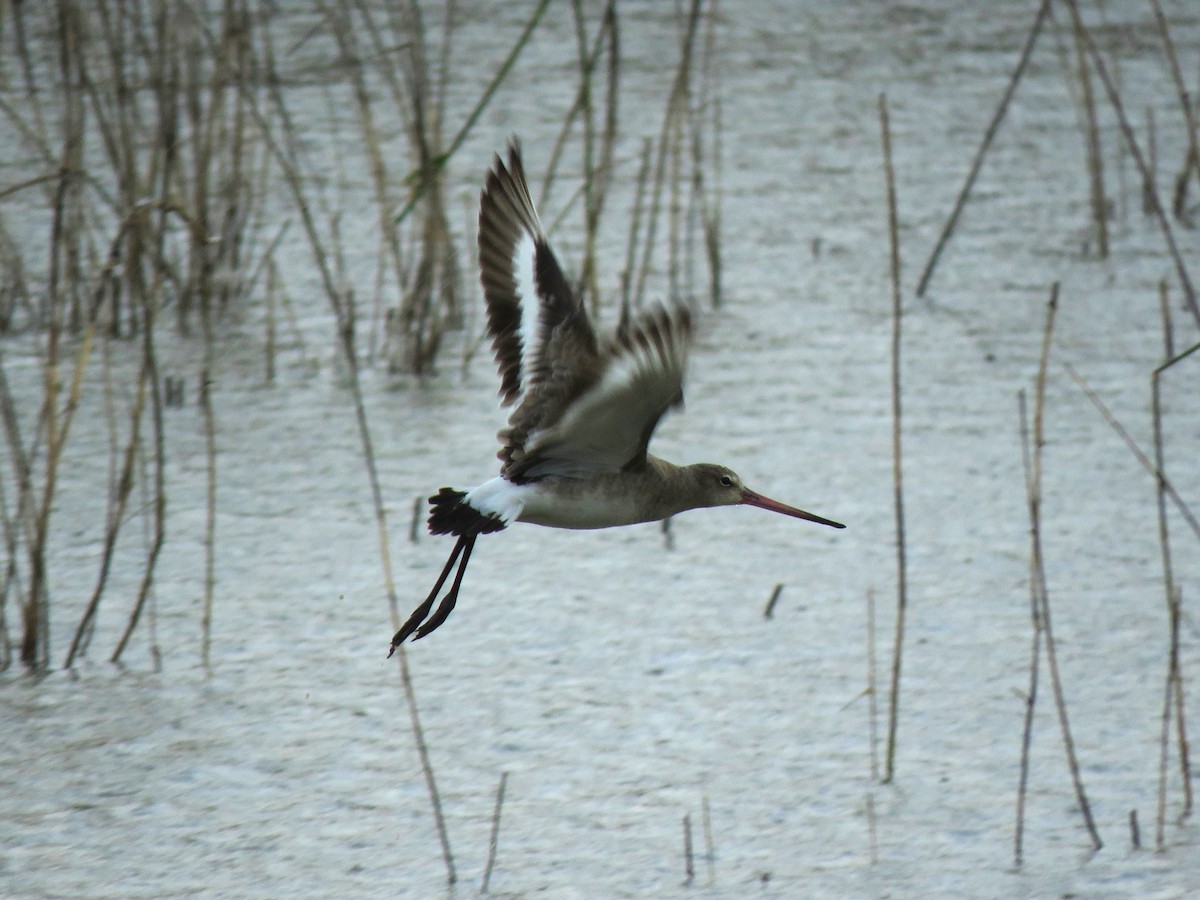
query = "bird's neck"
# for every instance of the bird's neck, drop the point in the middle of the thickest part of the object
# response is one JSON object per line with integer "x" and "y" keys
{"x": 669, "y": 487}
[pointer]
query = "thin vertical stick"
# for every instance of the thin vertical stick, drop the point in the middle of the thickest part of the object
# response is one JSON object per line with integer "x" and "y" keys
{"x": 1033, "y": 499}
{"x": 1095, "y": 160}
{"x": 769, "y": 612}
{"x": 1160, "y": 842}
{"x": 872, "y": 829}
{"x": 210, "y": 506}
{"x": 414, "y": 525}
{"x": 689, "y": 866}
{"x": 1174, "y": 601}
{"x": 285, "y": 155}
{"x": 272, "y": 286}
{"x": 897, "y": 467}
{"x": 635, "y": 224}
{"x": 495, "y": 835}
{"x": 124, "y": 485}
{"x": 872, "y": 692}
{"x": 710, "y": 856}
{"x": 1192, "y": 156}
{"x": 977, "y": 162}
{"x": 1135, "y": 150}
{"x": 1139, "y": 454}
{"x": 1060, "y": 702}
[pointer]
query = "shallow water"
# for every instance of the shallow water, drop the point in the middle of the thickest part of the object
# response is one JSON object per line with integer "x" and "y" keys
{"x": 620, "y": 685}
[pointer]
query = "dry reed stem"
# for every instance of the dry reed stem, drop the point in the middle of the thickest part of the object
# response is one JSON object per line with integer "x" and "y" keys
{"x": 1192, "y": 154}
{"x": 124, "y": 485}
{"x": 1174, "y": 600}
{"x": 988, "y": 135}
{"x": 150, "y": 360}
{"x": 689, "y": 865}
{"x": 769, "y": 611}
{"x": 473, "y": 117}
{"x": 1033, "y": 500}
{"x": 872, "y": 688}
{"x": 286, "y": 157}
{"x": 897, "y": 454}
{"x": 1137, "y": 451}
{"x": 1114, "y": 98}
{"x": 1060, "y": 702}
{"x": 210, "y": 494}
{"x": 1095, "y": 159}
{"x": 710, "y": 189}
{"x": 710, "y": 853}
{"x": 677, "y": 102}
{"x": 639, "y": 202}
{"x": 1169, "y": 695}
{"x": 494, "y": 837}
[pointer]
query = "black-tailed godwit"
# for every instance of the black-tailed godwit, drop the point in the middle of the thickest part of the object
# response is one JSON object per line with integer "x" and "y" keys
{"x": 574, "y": 454}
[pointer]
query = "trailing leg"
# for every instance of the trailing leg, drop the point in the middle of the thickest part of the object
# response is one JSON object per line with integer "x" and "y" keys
{"x": 419, "y": 614}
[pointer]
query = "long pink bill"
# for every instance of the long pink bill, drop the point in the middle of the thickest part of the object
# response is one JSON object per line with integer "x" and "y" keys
{"x": 751, "y": 498}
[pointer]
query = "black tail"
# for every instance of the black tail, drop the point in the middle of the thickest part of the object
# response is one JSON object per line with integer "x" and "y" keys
{"x": 450, "y": 515}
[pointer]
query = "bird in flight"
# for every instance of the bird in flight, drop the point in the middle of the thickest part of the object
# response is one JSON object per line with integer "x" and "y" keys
{"x": 574, "y": 454}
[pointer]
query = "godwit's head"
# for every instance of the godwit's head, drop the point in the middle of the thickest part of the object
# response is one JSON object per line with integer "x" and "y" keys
{"x": 713, "y": 485}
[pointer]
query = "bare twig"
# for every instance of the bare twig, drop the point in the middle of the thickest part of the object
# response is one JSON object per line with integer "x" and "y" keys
{"x": 897, "y": 455}
{"x": 1060, "y": 702}
{"x": 689, "y": 866}
{"x": 495, "y": 835}
{"x": 988, "y": 136}
{"x": 1033, "y": 499}
{"x": 1114, "y": 98}
{"x": 1137, "y": 451}
{"x": 769, "y": 611}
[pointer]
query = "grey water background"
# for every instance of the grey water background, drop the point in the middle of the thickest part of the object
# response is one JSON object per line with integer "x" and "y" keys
{"x": 619, "y": 684}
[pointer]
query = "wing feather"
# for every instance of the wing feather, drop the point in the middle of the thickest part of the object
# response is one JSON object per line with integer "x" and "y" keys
{"x": 527, "y": 342}
{"x": 607, "y": 425}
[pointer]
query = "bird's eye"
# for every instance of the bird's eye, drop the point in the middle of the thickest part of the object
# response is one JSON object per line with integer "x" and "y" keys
{"x": 726, "y": 481}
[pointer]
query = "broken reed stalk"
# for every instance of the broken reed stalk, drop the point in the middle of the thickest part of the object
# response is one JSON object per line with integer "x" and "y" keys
{"x": 494, "y": 838}
{"x": 709, "y": 186}
{"x": 872, "y": 829}
{"x": 150, "y": 360}
{"x": 1095, "y": 159}
{"x": 988, "y": 136}
{"x": 677, "y": 103}
{"x": 597, "y": 175}
{"x": 1114, "y": 98}
{"x": 1033, "y": 500}
{"x": 123, "y": 487}
{"x": 1174, "y": 599}
{"x": 342, "y": 22}
{"x": 285, "y": 155}
{"x": 1139, "y": 454}
{"x": 1060, "y": 702}
{"x": 872, "y": 692}
{"x": 769, "y": 611}
{"x": 485, "y": 98}
{"x": 689, "y": 866}
{"x": 35, "y": 646}
{"x": 710, "y": 855}
{"x": 1169, "y": 695}
{"x": 210, "y": 494}
{"x": 635, "y": 224}
{"x": 897, "y": 455}
{"x": 414, "y": 525}
{"x": 1192, "y": 154}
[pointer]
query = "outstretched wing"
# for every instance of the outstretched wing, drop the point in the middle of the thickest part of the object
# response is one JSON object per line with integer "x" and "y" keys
{"x": 534, "y": 317}
{"x": 585, "y": 421}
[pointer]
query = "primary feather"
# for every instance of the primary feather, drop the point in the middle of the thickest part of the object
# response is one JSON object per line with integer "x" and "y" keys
{"x": 585, "y": 407}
